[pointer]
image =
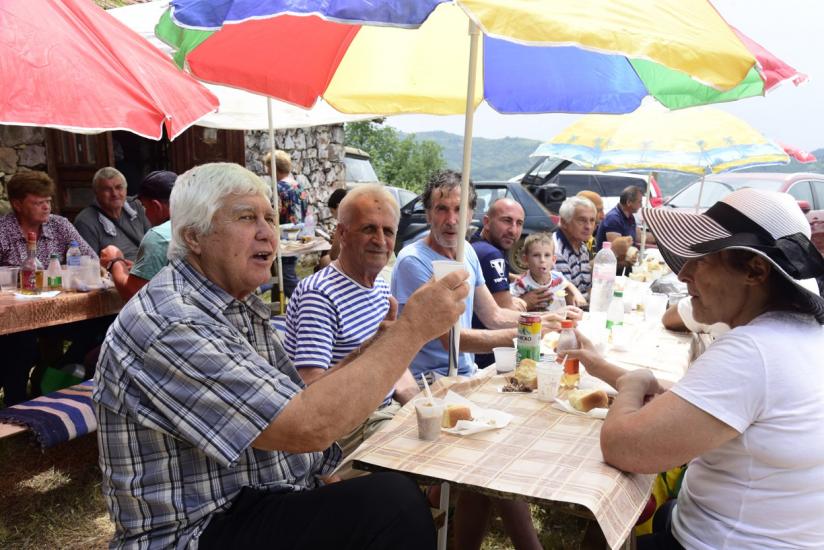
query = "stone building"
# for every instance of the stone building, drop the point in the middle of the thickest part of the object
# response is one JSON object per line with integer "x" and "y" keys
{"x": 72, "y": 159}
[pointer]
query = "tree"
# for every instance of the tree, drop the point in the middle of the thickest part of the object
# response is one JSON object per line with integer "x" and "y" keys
{"x": 402, "y": 162}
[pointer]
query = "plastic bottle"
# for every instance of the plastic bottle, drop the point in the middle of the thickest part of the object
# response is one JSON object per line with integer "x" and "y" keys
{"x": 567, "y": 341}
{"x": 615, "y": 312}
{"x": 28, "y": 270}
{"x": 604, "y": 267}
{"x": 73, "y": 254}
{"x": 308, "y": 223}
{"x": 54, "y": 273}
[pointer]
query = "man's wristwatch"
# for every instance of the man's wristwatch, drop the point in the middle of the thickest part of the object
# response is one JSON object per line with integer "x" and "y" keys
{"x": 111, "y": 263}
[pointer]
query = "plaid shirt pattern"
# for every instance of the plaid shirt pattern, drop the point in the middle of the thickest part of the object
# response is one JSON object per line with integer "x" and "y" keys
{"x": 188, "y": 377}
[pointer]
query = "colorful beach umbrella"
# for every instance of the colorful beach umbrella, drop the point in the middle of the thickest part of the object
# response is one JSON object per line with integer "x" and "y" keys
{"x": 535, "y": 57}
{"x": 70, "y": 65}
{"x": 701, "y": 140}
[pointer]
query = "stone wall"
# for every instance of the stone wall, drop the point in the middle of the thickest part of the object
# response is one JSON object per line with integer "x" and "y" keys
{"x": 317, "y": 160}
{"x": 22, "y": 148}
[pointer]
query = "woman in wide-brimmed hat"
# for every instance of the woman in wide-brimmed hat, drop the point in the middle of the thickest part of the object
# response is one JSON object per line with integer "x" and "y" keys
{"x": 748, "y": 415}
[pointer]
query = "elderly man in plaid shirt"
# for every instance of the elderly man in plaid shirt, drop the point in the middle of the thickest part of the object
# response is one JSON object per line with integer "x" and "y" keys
{"x": 208, "y": 438}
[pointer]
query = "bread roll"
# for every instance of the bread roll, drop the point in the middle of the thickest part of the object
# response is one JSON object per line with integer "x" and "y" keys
{"x": 453, "y": 413}
{"x": 586, "y": 400}
{"x": 526, "y": 374}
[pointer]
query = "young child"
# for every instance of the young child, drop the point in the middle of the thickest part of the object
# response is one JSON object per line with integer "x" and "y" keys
{"x": 539, "y": 255}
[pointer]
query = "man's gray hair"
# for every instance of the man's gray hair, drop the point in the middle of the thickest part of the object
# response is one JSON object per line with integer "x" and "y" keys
{"x": 371, "y": 190}
{"x": 200, "y": 192}
{"x": 571, "y": 204}
{"x": 107, "y": 173}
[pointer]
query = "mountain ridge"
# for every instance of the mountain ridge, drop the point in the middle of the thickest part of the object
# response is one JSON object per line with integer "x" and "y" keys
{"x": 504, "y": 158}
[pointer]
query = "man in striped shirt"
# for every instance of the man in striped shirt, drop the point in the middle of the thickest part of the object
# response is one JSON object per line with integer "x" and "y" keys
{"x": 208, "y": 437}
{"x": 334, "y": 311}
{"x": 571, "y": 253}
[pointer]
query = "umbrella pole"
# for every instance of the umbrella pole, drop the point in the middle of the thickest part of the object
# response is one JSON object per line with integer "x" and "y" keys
{"x": 644, "y": 229}
{"x": 276, "y": 206}
{"x": 455, "y": 331}
{"x": 700, "y": 192}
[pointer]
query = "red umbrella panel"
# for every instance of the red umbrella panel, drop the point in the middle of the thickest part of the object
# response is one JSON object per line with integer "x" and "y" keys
{"x": 71, "y": 65}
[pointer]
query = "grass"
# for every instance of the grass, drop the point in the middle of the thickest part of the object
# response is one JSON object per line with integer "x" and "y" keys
{"x": 52, "y": 498}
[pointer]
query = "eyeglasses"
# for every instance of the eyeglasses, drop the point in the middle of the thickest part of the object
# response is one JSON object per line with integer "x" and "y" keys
{"x": 41, "y": 202}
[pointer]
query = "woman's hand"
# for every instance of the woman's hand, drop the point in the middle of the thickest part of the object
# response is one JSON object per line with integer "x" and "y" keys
{"x": 639, "y": 381}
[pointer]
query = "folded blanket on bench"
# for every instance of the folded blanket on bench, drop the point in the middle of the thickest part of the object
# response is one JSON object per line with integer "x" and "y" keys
{"x": 56, "y": 417}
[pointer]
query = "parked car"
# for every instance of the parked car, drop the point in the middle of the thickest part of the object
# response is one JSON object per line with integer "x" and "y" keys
{"x": 413, "y": 224}
{"x": 548, "y": 172}
{"x": 807, "y": 188}
{"x": 359, "y": 170}
{"x": 358, "y": 166}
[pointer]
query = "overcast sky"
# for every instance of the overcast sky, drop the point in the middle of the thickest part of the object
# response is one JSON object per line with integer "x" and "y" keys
{"x": 793, "y": 30}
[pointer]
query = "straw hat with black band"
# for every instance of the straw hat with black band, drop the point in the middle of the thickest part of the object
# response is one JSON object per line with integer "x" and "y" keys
{"x": 767, "y": 223}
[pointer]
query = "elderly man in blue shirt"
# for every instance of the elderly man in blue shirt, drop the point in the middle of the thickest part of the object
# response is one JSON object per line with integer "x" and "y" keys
{"x": 208, "y": 437}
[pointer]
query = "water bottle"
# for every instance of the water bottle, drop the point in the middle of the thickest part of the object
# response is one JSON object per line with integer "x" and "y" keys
{"x": 308, "y": 223}
{"x": 54, "y": 274}
{"x": 73, "y": 254}
{"x": 604, "y": 267}
{"x": 567, "y": 341}
{"x": 615, "y": 312}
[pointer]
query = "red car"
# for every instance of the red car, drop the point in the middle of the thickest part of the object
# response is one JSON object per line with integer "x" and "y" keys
{"x": 807, "y": 188}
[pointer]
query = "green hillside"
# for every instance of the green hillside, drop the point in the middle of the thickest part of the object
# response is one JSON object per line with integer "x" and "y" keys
{"x": 492, "y": 159}
{"x": 501, "y": 159}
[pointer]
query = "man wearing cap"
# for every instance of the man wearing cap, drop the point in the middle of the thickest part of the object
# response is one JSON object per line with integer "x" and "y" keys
{"x": 112, "y": 218}
{"x": 151, "y": 256}
{"x": 747, "y": 414}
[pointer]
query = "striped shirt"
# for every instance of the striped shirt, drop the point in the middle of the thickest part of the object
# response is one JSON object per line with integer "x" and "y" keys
{"x": 573, "y": 264}
{"x": 330, "y": 315}
{"x": 188, "y": 377}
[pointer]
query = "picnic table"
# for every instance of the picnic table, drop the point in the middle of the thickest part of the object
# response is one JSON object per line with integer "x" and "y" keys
{"x": 22, "y": 314}
{"x": 544, "y": 455}
{"x": 298, "y": 248}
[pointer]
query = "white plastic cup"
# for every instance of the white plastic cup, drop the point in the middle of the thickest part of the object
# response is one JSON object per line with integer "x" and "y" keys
{"x": 442, "y": 268}
{"x": 549, "y": 376}
{"x": 654, "y": 306}
{"x": 504, "y": 359}
{"x": 430, "y": 416}
{"x": 8, "y": 277}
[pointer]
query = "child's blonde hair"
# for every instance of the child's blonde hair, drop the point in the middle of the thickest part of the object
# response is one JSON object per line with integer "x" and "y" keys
{"x": 538, "y": 238}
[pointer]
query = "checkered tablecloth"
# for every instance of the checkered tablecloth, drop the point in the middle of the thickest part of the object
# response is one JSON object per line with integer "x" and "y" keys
{"x": 543, "y": 455}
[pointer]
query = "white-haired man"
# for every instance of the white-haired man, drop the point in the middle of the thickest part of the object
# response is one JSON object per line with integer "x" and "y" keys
{"x": 571, "y": 253}
{"x": 208, "y": 437}
{"x": 333, "y": 312}
{"x": 112, "y": 219}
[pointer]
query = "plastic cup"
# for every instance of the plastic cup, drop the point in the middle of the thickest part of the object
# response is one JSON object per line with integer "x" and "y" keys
{"x": 654, "y": 306}
{"x": 549, "y": 376}
{"x": 430, "y": 416}
{"x": 442, "y": 268}
{"x": 8, "y": 277}
{"x": 504, "y": 359}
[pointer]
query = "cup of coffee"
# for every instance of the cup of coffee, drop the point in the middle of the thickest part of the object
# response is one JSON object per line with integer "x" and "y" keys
{"x": 430, "y": 416}
{"x": 504, "y": 359}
